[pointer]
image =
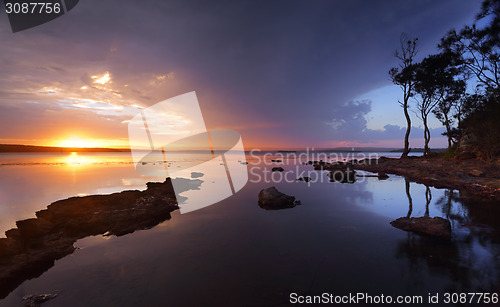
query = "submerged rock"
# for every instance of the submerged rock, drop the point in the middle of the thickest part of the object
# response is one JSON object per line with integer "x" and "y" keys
{"x": 197, "y": 174}
{"x": 382, "y": 176}
{"x": 277, "y": 169}
{"x": 436, "y": 226}
{"x": 346, "y": 175}
{"x": 272, "y": 199}
{"x": 34, "y": 300}
{"x": 306, "y": 179}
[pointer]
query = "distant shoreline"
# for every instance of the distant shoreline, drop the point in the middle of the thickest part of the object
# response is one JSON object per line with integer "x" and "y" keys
{"x": 32, "y": 148}
{"x": 16, "y": 148}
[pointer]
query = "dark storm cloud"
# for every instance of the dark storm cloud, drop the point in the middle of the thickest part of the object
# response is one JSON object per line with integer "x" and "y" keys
{"x": 283, "y": 67}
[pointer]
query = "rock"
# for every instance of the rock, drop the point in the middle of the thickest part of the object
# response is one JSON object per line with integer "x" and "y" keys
{"x": 277, "y": 169}
{"x": 382, "y": 176}
{"x": 34, "y": 300}
{"x": 437, "y": 172}
{"x": 346, "y": 175}
{"x": 476, "y": 173}
{"x": 436, "y": 226}
{"x": 276, "y": 160}
{"x": 272, "y": 199}
{"x": 32, "y": 248}
{"x": 306, "y": 179}
{"x": 244, "y": 163}
{"x": 197, "y": 174}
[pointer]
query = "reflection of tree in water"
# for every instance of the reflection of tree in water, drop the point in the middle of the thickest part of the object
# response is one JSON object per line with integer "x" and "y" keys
{"x": 440, "y": 258}
{"x": 410, "y": 201}
{"x": 428, "y": 199}
{"x": 470, "y": 260}
{"x": 452, "y": 208}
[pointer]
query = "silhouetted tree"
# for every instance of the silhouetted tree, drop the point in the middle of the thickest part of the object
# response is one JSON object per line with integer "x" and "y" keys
{"x": 479, "y": 51}
{"x": 479, "y": 48}
{"x": 403, "y": 76}
{"x": 482, "y": 123}
{"x": 443, "y": 110}
{"x": 435, "y": 83}
{"x": 465, "y": 105}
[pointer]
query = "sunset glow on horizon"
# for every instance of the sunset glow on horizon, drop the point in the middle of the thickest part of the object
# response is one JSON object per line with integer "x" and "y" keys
{"x": 77, "y": 142}
{"x": 85, "y": 97}
{"x": 86, "y": 142}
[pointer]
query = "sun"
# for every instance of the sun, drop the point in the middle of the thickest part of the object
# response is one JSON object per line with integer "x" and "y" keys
{"x": 75, "y": 141}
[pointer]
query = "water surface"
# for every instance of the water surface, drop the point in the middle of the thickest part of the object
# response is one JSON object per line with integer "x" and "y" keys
{"x": 235, "y": 253}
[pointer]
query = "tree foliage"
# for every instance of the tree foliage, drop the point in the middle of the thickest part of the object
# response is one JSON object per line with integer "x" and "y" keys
{"x": 479, "y": 48}
{"x": 437, "y": 87}
{"x": 438, "y": 84}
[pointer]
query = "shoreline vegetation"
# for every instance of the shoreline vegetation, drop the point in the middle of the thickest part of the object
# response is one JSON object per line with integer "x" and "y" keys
{"x": 459, "y": 85}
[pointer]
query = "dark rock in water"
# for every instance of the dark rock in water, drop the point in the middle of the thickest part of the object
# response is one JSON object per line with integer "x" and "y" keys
{"x": 277, "y": 169}
{"x": 306, "y": 179}
{"x": 197, "y": 174}
{"x": 346, "y": 175}
{"x": 34, "y": 300}
{"x": 276, "y": 160}
{"x": 244, "y": 163}
{"x": 272, "y": 199}
{"x": 436, "y": 226}
{"x": 382, "y": 176}
{"x": 32, "y": 248}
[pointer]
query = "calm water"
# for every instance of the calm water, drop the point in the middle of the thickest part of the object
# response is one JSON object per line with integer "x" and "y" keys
{"x": 235, "y": 253}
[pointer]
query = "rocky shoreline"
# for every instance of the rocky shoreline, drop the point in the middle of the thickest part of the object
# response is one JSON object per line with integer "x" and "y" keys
{"x": 32, "y": 248}
{"x": 472, "y": 178}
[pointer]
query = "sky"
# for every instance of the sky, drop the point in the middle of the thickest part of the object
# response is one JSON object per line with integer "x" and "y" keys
{"x": 284, "y": 74}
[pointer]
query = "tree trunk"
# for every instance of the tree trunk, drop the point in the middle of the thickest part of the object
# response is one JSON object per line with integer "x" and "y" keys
{"x": 448, "y": 130}
{"x": 406, "y": 150}
{"x": 427, "y": 136}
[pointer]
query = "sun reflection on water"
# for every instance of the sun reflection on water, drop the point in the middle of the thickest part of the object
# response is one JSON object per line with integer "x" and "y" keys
{"x": 75, "y": 160}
